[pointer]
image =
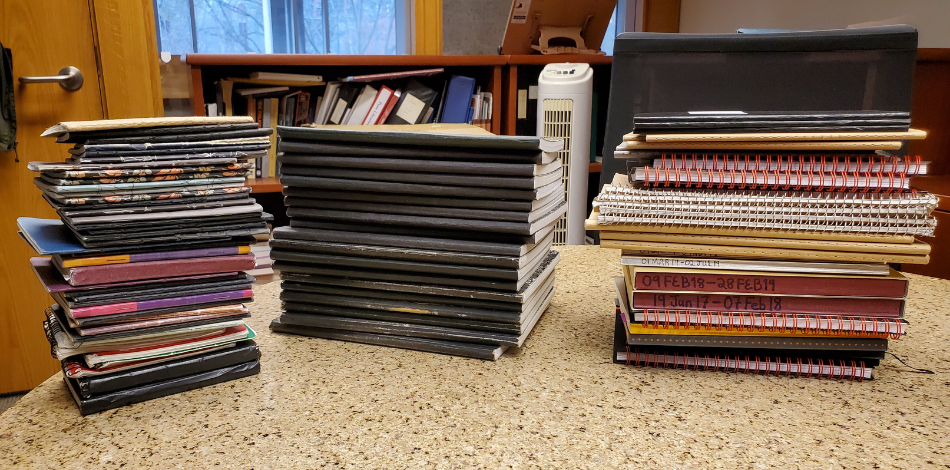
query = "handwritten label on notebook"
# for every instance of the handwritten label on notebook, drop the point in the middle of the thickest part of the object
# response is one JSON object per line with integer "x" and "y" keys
{"x": 410, "y": 109}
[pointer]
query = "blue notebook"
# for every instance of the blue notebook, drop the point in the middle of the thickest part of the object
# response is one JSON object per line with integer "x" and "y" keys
{"x": 458, "y": 99}
{"x": 49, "y": 236}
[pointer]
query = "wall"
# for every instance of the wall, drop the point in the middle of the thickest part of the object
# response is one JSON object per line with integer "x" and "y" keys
{"x": 473, "y": 27}
{"x": 726, "y": 16}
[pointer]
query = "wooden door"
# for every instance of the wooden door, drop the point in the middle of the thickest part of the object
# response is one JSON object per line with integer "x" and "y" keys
{"x": 44, "y": 37}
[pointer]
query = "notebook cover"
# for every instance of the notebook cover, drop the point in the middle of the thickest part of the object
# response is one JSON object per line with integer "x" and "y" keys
{"x": 66, "y": 212}
{"x": 400, "y": 329}
{"x": 431, "y": 222}
{"x": 396, "y": 253}
{"x": 416, "y": 98}
{"x": 194, "y": 287}
{"x": 494, "y": 237}
{"x": 542, "y": 276}
{"x": 306, "y": 291}
{"x": 447, "y": 179}
{"x": 88, "y": 275}
{"x": 158, "y": 199}
{"x": 912, "y": 134}
{"x": 163, "y": 303}
{"x": 425, "y": 211}
{"x": 592, "y": 224}
{"x": 453, "y": 348}
{"x": 777, "y": 243}
{"x": 656, "y": 260}
{"x": 815, "y": 305}
{"x": 245, "y": 351}
{"x": 53, "y": 281}
{"x": 137, "y": 394}
{"x": 428, "y": 135}
{"x": 419, "y": 165}
{"x": 384, "y": 315}
{"x": 401, "y": 241}
{"x": 133, "y": 133}
{"x": 155, "y": 256}
{"x": 801, "y": 146}
{"x": 417, "y": 151}
{"x": 767, "y": 253}
{"x": 668, "y": 279}
{"x": 342, "y": 184}
{"x": 515, "y": 276}
{"x": 437, "y": 201}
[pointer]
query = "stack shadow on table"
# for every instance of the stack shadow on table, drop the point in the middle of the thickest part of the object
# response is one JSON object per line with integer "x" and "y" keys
{"x": 417, "y": 239}
{"x": 147, "y": 262}
{"x": 759, "y": 243}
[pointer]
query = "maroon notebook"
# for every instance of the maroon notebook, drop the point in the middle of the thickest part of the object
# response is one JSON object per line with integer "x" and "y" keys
{"x": 893, "y": 285}
{"x": 817, "y": 305}
{"x": 111, "y": 273}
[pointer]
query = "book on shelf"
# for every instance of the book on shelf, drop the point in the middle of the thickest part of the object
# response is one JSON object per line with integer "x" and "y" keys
{"x": 296, "y": 77}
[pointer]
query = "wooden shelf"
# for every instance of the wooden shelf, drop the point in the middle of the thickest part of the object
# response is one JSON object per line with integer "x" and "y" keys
{"x": 595, "y": 167}
{"x": 552, "y": 59}
{"x": 265, "y": 185}
{"x": 345, "y": 60}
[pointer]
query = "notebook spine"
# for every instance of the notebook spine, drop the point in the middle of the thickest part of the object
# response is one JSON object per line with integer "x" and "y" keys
{"x": 774, "y": 323}
{"x": 911, "y": 165}
{"x": 777, "y": 366}
{"x": 798, "y": 180}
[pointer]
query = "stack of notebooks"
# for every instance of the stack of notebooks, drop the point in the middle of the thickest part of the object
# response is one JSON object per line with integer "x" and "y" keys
{"x": 764, "y": 251}
{"x": 148, "y": 262}
{"x": 417, "y": 238}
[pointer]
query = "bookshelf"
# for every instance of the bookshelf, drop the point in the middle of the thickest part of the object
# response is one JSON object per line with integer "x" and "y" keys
{"x": 499, "y": 74}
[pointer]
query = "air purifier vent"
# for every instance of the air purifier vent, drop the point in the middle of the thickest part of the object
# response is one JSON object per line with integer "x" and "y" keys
{"x": 558, "y": 117}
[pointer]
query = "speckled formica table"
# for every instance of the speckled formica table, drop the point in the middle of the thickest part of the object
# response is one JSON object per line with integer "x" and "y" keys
{"x": 556, "y": 402}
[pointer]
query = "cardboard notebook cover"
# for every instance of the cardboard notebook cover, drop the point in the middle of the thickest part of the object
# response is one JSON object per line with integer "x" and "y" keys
{"x": 420, "y": 165}
{"x": 435, "y": 256}
{"x": 427, "y": 135}
{"x": 493, "y": 237}
{"x": 447, "y": 179}
{"x": 311, "y": 293}
{"x": 140, "y": 393}
{"x": 423, "y": 152}
{"x": 418, "y": 189}
{"x": 680, "y": 249}
{"x": 379, "y": 217}
{"x": 508, "y": 205}
{"x": 428, "y": 211}
{"x": 592, "y": 223}
{"x": 140, "y": 123}
{"x": 912, "y": 134}
{"x": 753, "y": 145}
{"x": 134, "y": 134}
{"x": 541, "y": 277}
{"x": 919, "y": 248}
{"x": 194, "y": 287}
{"x": 400, "y": 329}
{"x": 401, "y": 241}
{"x": 414, "y": 277}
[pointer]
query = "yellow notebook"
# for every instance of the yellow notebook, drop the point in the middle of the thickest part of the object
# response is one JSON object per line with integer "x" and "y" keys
{"x": 918, "y": 248}
{"x": 766, "y": 253}
{"x": 606, "y": 230}
{"x": 788, "y": 145}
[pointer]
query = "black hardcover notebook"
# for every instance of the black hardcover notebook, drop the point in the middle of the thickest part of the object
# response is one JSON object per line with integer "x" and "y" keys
{"x": 138, "y": 394}
{"x": 245, "y": 351}
{"x": 454, "y": 348}
{"x": 776, "y": 121}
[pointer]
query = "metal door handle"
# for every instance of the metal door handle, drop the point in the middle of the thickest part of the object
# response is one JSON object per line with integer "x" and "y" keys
{"x": 70, "y": 78}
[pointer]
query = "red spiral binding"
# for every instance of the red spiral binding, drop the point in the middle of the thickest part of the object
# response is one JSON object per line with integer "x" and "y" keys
{"x": 773, "y": 322}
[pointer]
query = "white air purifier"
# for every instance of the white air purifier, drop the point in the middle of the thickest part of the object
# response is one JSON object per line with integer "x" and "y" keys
{"x": 564, "y": 107}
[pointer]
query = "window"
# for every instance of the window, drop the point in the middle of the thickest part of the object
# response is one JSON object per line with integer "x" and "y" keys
{"x": 281, "y": 26}
{"x": 612, "y": 31}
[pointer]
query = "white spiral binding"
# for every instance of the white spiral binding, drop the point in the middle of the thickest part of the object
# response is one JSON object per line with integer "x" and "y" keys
{"x": 895, "y": 213}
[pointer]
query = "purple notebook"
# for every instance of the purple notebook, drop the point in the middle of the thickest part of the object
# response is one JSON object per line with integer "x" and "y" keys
{"x": 53, "y": 281}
